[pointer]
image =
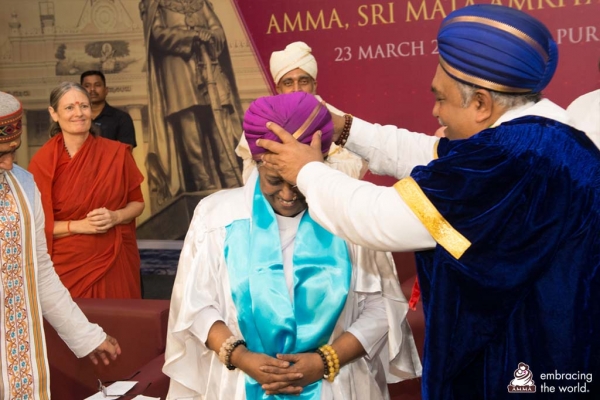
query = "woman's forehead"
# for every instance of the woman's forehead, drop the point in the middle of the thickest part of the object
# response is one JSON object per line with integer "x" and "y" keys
{"x": 73, "y": 96}
{"x": 266, "y": 170}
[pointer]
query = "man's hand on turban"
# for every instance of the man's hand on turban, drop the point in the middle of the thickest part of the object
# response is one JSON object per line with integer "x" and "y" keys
{"x": 108, "y": 349}
{"x": 289, "y": 156}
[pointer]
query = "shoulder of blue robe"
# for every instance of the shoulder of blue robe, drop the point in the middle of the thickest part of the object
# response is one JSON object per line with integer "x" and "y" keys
{"x": 525, "y": 195}
{"x": 531, "y": 171}
{"x": 25, "y": 179}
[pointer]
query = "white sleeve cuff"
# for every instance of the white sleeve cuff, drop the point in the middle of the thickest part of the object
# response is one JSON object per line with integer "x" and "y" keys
{"x": 203, "y": 321}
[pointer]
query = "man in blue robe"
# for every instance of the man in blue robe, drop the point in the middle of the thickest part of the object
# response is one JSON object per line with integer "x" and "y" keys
{"x": 504, "y": 214}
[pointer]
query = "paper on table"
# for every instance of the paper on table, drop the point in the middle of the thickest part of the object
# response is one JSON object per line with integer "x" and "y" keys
{"x": 113, "y": 391}
{"x": 101, "y": 396}
{"x": 119, "y": 388}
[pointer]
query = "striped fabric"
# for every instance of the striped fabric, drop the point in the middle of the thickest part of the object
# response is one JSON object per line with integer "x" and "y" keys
{"x": 22, "y": 354}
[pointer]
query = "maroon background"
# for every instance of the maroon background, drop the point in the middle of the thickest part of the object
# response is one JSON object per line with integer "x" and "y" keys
{"x": 396, "y": 90}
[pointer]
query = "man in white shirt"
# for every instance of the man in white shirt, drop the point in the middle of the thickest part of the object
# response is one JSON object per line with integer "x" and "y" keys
{"x": 30, "y": 288}
{"x": 503, "y": 212}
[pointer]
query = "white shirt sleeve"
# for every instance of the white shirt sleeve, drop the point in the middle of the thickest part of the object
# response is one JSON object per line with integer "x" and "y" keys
{"x": 389, "y": 150}
{"x": 585, "y": 115}
{"x": 203, "y": 321}
{"x": 371, "y": 327}
{"x": 58, "y": 307}
{"x": 371, "y": 216}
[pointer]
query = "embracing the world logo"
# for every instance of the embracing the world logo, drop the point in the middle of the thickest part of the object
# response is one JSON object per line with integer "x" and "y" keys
{"x": 523, "y": 381}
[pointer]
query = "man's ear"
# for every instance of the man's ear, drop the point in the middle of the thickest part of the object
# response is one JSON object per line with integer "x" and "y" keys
{"x": 484, "y": 105}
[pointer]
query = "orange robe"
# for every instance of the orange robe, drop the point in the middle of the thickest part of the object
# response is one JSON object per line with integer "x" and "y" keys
{"x": 101, "y": 174}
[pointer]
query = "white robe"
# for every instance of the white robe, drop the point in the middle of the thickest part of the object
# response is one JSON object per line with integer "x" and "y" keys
{"x": 202, "y": 289}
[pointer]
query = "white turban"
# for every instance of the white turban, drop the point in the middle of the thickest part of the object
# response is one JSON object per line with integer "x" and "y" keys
{"x": 295, "y": 55}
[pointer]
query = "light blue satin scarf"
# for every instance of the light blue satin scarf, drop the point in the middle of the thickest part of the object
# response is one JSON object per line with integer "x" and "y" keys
{"x": 269, "y": 321}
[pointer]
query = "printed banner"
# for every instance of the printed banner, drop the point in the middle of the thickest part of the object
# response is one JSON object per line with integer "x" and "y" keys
{"x": 376, "y": 59}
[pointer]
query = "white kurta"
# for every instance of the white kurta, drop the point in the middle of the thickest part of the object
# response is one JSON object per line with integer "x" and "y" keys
{"x": 375, "y": 216}
{"x": 28, "y": 293}
{"x": 202, "y": 296}
{"x": 584, "y": 112}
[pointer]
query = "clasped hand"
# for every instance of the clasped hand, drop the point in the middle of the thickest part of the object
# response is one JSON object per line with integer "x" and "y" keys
{"x": 286, "y": 374}
{"x": 205, "y": 35}
{"x": 101, "y": 220}
{"x": 215, "y": 38}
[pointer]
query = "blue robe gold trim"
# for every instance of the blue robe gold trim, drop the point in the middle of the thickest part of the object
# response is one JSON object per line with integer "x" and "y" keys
{"x": 527, "y": 196}
{"x": 443, "y": 233}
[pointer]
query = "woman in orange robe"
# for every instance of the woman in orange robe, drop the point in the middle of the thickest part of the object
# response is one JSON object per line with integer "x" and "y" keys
{"x": 91, "y": 195}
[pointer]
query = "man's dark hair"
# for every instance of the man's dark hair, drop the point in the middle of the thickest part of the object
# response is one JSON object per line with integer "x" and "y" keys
{"x": 90, "y": 73}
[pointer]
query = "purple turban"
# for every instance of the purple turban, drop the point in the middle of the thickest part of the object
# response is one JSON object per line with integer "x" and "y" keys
{"x": 497, "y": 48}
{"x": 299, "y": 113}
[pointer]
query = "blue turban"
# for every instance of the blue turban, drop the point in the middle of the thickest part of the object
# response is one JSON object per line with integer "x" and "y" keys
{"x": 497, "y": 48}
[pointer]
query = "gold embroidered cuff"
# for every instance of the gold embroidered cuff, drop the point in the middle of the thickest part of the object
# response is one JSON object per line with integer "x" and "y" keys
{"x": 440, "y": 229}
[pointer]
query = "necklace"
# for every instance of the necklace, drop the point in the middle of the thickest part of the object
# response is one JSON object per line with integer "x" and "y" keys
{"x": 67, "y": 150}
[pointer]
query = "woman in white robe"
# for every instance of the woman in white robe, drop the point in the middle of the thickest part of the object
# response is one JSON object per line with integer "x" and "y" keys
{"x": 368, "y": 331}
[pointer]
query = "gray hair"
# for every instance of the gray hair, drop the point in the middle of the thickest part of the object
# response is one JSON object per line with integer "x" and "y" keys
{"x": 505, "y": 100}
{"x": 57, "y": 94}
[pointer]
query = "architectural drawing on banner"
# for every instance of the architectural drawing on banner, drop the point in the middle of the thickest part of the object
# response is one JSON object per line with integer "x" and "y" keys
{"x": 185, "y": 149}
{"x": 110, "y": 57}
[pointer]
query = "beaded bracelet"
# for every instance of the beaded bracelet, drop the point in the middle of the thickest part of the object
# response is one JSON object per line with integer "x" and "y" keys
{"x": 331, "y": 362}
{"x": 325, "y": 365}
{"x": 341, "y": 141}
{"x": 235, "y": 344}
{"x": 227, "y": 348}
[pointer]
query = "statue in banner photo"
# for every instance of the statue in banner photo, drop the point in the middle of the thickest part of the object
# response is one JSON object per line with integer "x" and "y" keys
{"x": 194, "y": 107}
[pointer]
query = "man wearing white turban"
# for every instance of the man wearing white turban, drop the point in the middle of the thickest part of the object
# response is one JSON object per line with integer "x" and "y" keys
{"x": 294, "y": 69}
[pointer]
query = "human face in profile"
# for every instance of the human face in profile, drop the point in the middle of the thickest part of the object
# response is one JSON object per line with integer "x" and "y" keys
{"x": 285, "y": 199}
{"x": 460, "y": 121}
{"x": 297, "y": 80}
